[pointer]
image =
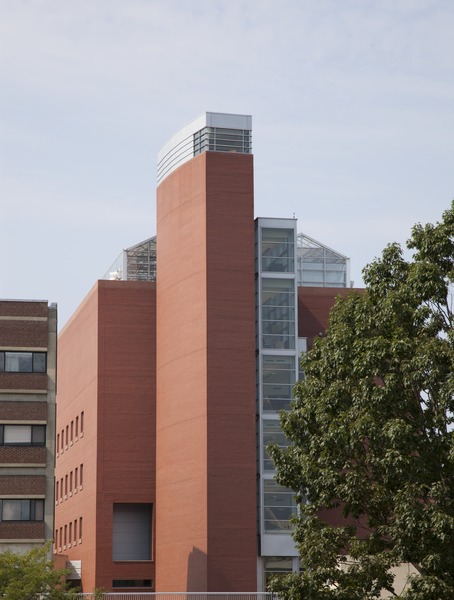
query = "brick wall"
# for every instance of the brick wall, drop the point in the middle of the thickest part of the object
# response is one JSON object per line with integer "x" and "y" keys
{"x": 23, "y": 381}
{"x": 26, "y": 334}
{"x": 23, "y": 411}
{"x": 23, "y": 309}
{"x": 22, "y": 485}
{"x": 22, "y": 455}
{"x": 21, "y": 530}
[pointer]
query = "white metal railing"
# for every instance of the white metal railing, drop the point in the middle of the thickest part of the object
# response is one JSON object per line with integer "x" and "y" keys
{"x": 175, "y": 596}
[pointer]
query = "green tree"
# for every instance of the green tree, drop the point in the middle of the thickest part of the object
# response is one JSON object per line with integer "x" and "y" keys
{"x": 371, "y": 433}
{"x": 31, "y": 576}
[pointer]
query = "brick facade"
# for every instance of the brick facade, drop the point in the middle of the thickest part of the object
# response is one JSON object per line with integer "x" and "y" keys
{"x": 23, "y": 411}
{"x": 22, "y": 485}
{"x": 21, "y": 530}
{"x": 23, "y": 381}
{"x": 22, "y": 455}
{"x": 28, "y": 398}
{"x": 23, "y": 334}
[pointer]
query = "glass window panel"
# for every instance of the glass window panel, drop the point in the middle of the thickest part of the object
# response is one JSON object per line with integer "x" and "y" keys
{"x": 278, "y": 327}
{"x": 278, "y": 362}
{"x": 39, "y": 362}
{"x": 278, "y": 265}
{"x": 278, "y": 234}
{"x": 278, "y": 313}
{"x": 278, "y": 391}
{"x": 316, "y": 276}
{"x": 335, "y": 276}
{"x": 2, "y": 361}
{"x": 278, "y": 342}
{"x": 272, "y": 405}
{"x": 11, "y": 510}
{"x": 25, "y": 510}
{"x": 17, "y": 434}
{"x": 39, "y": 510}
{"x": 19, "y": 362}
{"x": 272, "y": 434}
{"x": 39, "y": 435}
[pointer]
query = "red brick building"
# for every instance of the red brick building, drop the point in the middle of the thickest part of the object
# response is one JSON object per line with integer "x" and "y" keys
{"x": 172, "y": 376}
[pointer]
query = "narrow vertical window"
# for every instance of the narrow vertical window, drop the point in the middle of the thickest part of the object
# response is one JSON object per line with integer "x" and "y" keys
{"x": 75, "y": 531}
{"x": 66, "y": 485}
{"x": 81, "y": 474}
{"x": 67, "y": 435}
{"x": 80, "y": 529}
{"x": 71, "y": 482}
{"x": 65, "y": 538}
{"x": 61, "y": 488}
{"x": 72, "y": 432}
{"x": 77, "y": 426}
{"x": 58, "y": 442}
{"x": 56, "y": 492}
{"x": 70, "y": 535}
{"x": 76, "y": 478}
{"x": 61, "y": 538}
{"x": 82, "y": 422}
{"x": 62, "y": 439}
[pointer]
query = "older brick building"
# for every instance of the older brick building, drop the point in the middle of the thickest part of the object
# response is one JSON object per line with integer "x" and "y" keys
{"x": 28, "y": 340}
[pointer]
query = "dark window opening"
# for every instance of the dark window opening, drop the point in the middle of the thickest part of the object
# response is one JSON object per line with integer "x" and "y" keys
{"x": 132, "y": 583}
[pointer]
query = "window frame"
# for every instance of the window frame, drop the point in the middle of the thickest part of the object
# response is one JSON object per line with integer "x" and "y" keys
{"x": 35, "y": 505}
{"x": 35, "y": 363}
{"x": 34, "y": 428}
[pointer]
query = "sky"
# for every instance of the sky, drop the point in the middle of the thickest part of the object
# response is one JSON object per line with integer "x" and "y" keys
{"x": 352, "y": 105}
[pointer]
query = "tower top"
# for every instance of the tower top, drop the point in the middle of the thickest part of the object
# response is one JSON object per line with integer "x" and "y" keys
{"x": 216, "y": 132}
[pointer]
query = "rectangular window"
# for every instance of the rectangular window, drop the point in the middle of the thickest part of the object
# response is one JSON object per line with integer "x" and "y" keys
{"x": 77, "y": 427}
{"x": 23, "y": 362}
{"x": 67, "y": 435}
{"x": 81, "y": 475}
{"x": 22, "y": 435}
{"x": 71, "y": 482}
{"x": 70, "y": 538}
{"x": 131, "y": 532}
{"x": 75, "y": 531}
{"x": 58, "y": 442}
{"x": 279, "y": 507}
{"x": 82, "y": 422}
{"x": 278, "y": 379}
{"x": 65, "y": 535}
{"x": 278, "y": 315}
{"x": 278, "y": 250}
{"x": 61, "y": 488}
{"x": 56, "y": 492}
{"x": 132, "y": 583}
{"x": 62, "y": 439}
{"x": 61, "y": 537}
{"x": 72, "y": 432}
{"x": 66, "y": 485}
{"x": 272, "y": 434}
{"x": 76, "y": 478}
{"x": 21, "y": 510}
{"x": 80, "y": 529}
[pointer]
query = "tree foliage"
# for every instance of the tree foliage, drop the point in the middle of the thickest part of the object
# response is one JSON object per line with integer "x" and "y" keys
{"x": 31, "y": 576}
{"x": 371, "y": 433}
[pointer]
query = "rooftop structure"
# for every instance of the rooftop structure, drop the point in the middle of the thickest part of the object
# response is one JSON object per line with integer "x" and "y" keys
{"x": 215, "y": 132}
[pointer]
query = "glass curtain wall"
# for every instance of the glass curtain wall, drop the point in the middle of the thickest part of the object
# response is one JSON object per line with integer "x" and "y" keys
{"x": 277, "y": 367}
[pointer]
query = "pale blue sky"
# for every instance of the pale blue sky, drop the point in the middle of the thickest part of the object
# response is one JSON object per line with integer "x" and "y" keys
{"x": 353, "y": 121}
